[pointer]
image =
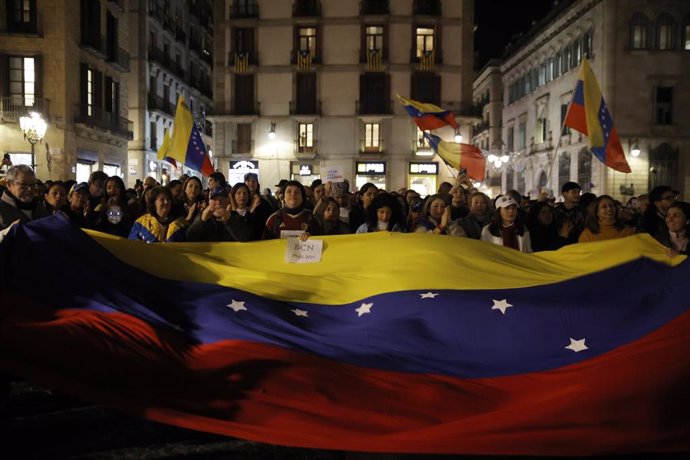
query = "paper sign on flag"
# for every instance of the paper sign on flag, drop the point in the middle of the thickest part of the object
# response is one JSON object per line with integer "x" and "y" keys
{"x": 303, "y": 252}
{"x": 290, "y": 233}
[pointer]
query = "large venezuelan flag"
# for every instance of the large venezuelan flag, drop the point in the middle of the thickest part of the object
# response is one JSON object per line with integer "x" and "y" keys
{"x": 428, "y": 116}
{"x": 459, "y": 156}
{"x": 185, "y": 146}
{"x": 589, "y": 115}
{"x": 451, "y": 346}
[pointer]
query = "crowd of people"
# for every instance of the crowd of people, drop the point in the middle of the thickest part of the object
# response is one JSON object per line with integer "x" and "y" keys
{"x": 183, "y": 210}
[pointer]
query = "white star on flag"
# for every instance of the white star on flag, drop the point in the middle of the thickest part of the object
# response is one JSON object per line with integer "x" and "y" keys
{"x": 236, "y": 305}
{"x": 364, "y": 309}
{"x": 299, "y": 312}
{"x": 428, "y": 295}
{"x": 577, "y": 345}
{"x": 502, "y": 305}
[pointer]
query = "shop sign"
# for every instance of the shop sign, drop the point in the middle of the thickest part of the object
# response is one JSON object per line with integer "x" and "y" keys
{"x": 371, "y": 167}
{"x": 424, "y": 168}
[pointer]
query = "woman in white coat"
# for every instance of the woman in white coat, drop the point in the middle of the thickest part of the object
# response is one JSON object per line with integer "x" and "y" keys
{"x": 506, "y": 227}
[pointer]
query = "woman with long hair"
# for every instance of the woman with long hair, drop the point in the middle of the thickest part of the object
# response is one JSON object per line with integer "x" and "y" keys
{"x": 384, "y": 213}
{"x": 192, "y": 198}
{"x": 159, "y": 224}
{"x": 543, "y": 227}
{"x": 603, "y": 223}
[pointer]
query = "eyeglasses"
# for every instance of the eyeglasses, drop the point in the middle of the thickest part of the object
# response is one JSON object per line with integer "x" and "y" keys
{"x": 115, "y": 213}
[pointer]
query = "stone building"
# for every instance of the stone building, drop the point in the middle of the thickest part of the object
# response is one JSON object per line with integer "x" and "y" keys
{"x": 639, "y": 51}
{"x": 66, "y": 59}
{"x": 307, "y": 89}
{"x": 171, "y": 45}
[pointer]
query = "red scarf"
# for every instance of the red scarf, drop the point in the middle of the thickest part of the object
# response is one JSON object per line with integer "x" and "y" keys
{"x": 510, "y": 237}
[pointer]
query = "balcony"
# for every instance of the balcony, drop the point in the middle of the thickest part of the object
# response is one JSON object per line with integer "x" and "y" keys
{"x": 32, "y": 27}
{"x": 195, "y": 45}
{"x": 312, "y": 107}
{"x": 371, "y": 149}
{"x": 304, "y": 151}
{"x": 480, "y": 128}
{"x": 242, "y": 147}
{"x": 246, "y": 109}
{"x": 97, "y": 117}
{"x": 373, "y": 7}
{"x": 306, "y": 9}
{"x": 94, "y": 44}
{"x": 242, "y": 59}
{"x": 13, "y": 107}
{"x": 240, "y": 10}
{"x": 381, "y": 108}
{"x": 156, "y": 102}
{"x": 426, "y": 8}
{"x": 118, "y": 58}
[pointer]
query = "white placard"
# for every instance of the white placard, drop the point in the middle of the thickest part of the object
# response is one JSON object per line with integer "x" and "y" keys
{"x": 334, "y": 174}
{"x": 291, "y": 233}
{"x": 303, "y": 252}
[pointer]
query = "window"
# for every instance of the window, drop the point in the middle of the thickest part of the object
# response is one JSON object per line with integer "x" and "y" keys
{"x": 244, "y": 94}
{"x": 244, "y": 138}
{"x": 542, "y": 74}
{"x": 306, "y": 93}
{"x": 563, "y": 169}
{"x": 374, "y": 93}
{"x": 153, "y": 135}
{"x": 510, "y": 138}
{"x": 686, "y": 33}
{"x": 564, "y": 111}
{"x": 540, "y": 133}
{"x": 422, "y": 142}
{"x": 426, "y": 87}
{"x": 584, "y": 169}
{"x": 549, "y": 70}
{"x": 306, "y": 137}
{"x": 372, "y": 141}
{"x": 587, "y": 44}
{"x": 89, "y": 92}
{"x": 565, "y": 59}
{"x": 522, "y": 135}
{"x": 665, "y": 32}
{"x": 639, "y": 32}
{"x": 425, "y": 41}
{"x": 22, "y": 80}
{"x": 21, "y": 16}
{"x": 557, "y": 65}
{"x": 374, "y": 38}
{"x": 576, "y": 55}
{"x": 663, "y": 105}
{"x": 306, "y": 40}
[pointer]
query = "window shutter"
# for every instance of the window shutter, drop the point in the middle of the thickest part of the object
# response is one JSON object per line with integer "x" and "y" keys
{"x": 4, "y": 75}
{"x": 83, "y": 89}
{"x": 38, "y": 72}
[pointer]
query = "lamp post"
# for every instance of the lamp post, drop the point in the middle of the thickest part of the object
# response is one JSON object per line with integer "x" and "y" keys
{"x": 33, "y": 128}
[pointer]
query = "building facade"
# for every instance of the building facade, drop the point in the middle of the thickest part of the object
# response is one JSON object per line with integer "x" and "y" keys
{"x": 171, "y": 47}
{"x": 307, "y": 89}
{"x": 66, "y": 60}
{"x": 639, "y": 51}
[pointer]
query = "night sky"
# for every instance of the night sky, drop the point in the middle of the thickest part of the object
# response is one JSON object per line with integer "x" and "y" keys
{"x": 500, "y": 21}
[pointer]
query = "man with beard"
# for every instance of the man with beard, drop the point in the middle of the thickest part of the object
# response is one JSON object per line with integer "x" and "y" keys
{"x": 19, "y": 203}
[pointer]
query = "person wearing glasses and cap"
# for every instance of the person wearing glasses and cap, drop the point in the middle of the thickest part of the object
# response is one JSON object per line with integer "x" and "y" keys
{"x": 19, "y": 203}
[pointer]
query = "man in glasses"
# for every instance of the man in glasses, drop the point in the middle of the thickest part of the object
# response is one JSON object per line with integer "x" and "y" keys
{"x": 653, "y": 221}
{"x": 19, "y": 203}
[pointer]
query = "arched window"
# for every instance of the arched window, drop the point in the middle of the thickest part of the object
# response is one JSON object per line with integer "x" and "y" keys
{"x": 563, "y": 169}
{"x": 665, "y": 32}
{"x": 584, "y": 169}
{"x": 639, "y": 32}
{"x": 686, "y": 33}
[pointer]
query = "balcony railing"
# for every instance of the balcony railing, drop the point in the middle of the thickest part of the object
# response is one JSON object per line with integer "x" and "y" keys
{"x": 426, "y": 8}
{"x": 119, "y": 58}
{"x": 305, "y": 108}
{"x": 156, "y": 102}
{"x": 382, "y": 108}
{"x": 373, "y": 7}
{"x": 99, "y": 118}
{"x": 306, "y": 8}
{"x": 364, "y": 148}
{"x": 242, "y": 147}
{"x": 300, "y": 148}
{"x": 480, "y": 128}
{"x": 245, "y": 109}
{"x": 13, "y": 107}
{"x": 34, "y": 26}
{"x": 244, "y": 10}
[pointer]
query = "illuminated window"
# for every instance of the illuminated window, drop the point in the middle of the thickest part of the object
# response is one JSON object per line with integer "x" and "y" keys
{"x": 371, "y": 136}
{"x": 425, "y": 40}
{"x": 22, "y": 80}
{"x": 374, "y": 37}
{"x": 306, "y": 37}
{"x": 665, "y": 33}
{"x": 305, "y": 132}
{"x": 639, "y": 32}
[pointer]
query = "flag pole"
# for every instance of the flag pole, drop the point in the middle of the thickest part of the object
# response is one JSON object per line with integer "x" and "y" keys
{"x": 560, "y": 133}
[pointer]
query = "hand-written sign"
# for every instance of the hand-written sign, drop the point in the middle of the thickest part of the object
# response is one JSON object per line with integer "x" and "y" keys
{"x": 334, "y": 174}
{"x": 303, "y": 252}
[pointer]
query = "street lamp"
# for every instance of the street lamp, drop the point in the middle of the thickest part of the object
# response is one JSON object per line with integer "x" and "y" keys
{"x": 635, "y": 150}
{"x": 272, "y": 131}
{"x": 458, "y": 136}
{"x": 33, "y": 128}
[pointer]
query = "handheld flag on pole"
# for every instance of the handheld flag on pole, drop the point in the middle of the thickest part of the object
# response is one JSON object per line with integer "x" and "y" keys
{"x": 428, "y": 116}
{"x": 589, "y": 115}
{"x": 459, "y": 156}
{"x": 186, "y": 145}
{"x": 164, "y": 149}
